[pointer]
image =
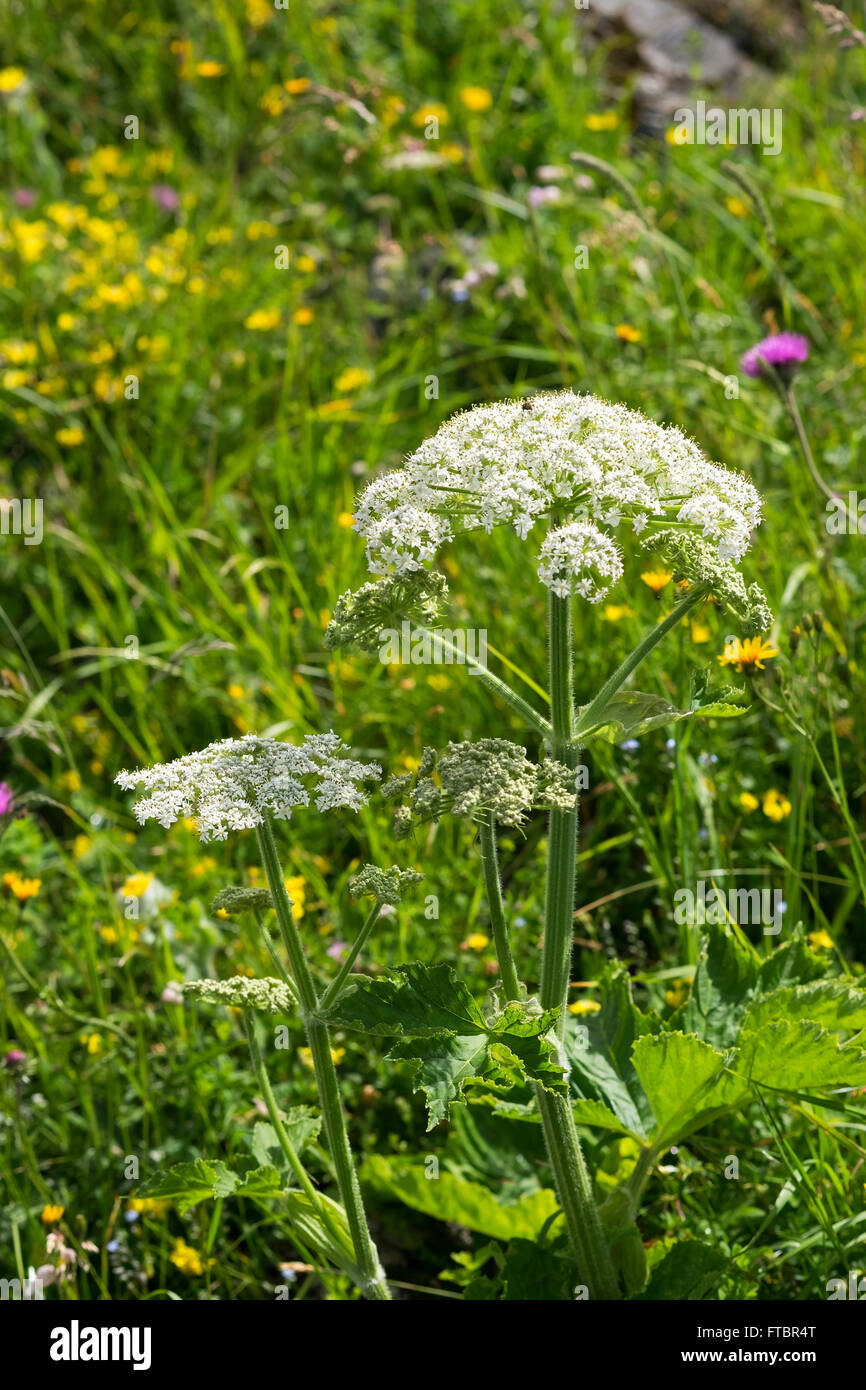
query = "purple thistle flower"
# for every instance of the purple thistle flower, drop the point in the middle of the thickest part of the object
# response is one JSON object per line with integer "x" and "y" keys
{"x": 782, "y": 351}
{"x": 6, "y": 798}
{"x": 14, "y": 1058}
{"x": 165, "y": 197}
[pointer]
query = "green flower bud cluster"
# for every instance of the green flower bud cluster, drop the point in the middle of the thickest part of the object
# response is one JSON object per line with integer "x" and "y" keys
{"x": 269, "y": 995}
{"x": 693, "y": 558}
{"x": 361, "y": 617}
{"x": 385, "y": 885}
{"x": 488, "y": 777}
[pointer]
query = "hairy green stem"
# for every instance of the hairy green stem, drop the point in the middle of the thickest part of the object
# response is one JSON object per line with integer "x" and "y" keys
{"x": 573, "y": 1182}
{"x": 333, "y": 1119}
{"x": 496, "y": 907}
{"x": 495, "y": 684}
{"x": 285, "y": 1143}
{"x": 336, "y": 986}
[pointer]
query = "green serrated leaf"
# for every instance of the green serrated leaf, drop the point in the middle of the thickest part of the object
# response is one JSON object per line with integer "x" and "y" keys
{"x": 833, "y": 1004}
{"x": 186, "y": 1184}
{"x": 261, "y": 1182}
{"x": 442, "y": 1029}
{"x": 686, "y": 1082}
{"x": 798, "y": 1056}
{"x": 724, "y": 984}
{"x": 632, "y": 712}
{"x": 599, "y": 1048}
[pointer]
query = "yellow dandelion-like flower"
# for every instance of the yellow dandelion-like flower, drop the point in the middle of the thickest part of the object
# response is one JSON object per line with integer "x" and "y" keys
{"x": 656, "y": 580}
{"x": 476, "y": 942}
{"x": 601, "y": 120}
{"x": 11, "y": 79}
{"x": 581, "y": 1007}
{"x": 51, "y": 1214}
{"x": 262, "y": 320}
{"x": 476, "y": 98}
{"x": 627, "y": 333}
{"x": 136, "y": 885}
{"x": 749, "y": 802}
{"x": 434, "y": 110}
{"x": 615, "y": 612}
{"x": 236, "y": 692}
{"x": 303, "y": 316}
{"x": 352, "y": 379}
{"x": 748, "y": 654}
{"x": 736, "y": 207}
{"x": 209, "y": 68}
{"x": 700, "y": 633}
{"x": 69, "y": 436}
{"x": 346, "y": 520}
{"x": 296, "y": 85}
{"x": 93, "y": 1043}
{"x": 305, "y": 264}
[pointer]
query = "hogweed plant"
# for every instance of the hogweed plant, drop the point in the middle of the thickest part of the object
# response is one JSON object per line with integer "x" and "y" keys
{"x": 569, "y": 475}
{"x": 574, "y": 471}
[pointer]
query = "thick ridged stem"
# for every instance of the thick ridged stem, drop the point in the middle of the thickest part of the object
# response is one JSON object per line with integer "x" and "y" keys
{"x": 333, "y": 1119}
{"x": 573, "y": 1182}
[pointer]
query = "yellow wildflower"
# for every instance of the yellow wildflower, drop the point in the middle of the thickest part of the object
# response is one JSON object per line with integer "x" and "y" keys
{"x": 93, "y": 1043}
{"x": 51, "y": 1214}
{"x": 352, "y": 379}
{"x": 584, "y": 1006}
{"x": 346, "y": 520}
{"x": 11, "y": 79}
{"x": 602, "y": 120}
{"x": 136, "y": 885}
{"x": 627, "y": 333}
{"x": 476, "y": 942}
{"x": 210, "y": 69}
{"x": 303, "y": 315}
{"x": 749, "y": 802}
{"x": 748, "y": 655}
{"x": 261, "y": 320}
{"x": 22, "y": 888}
{"x": 656, "y": 580}
{"x": 700, "y": 633}
{"x": 185, "y": 1258}
{"x": 476, "y": 98}
{"x": 305, "y": 264}
{"x": 296, "y": 85}
{"x": 434, "y": 110}
{"x": 69, "y": 436}
{"x": 820, "y": 940}
{"x": 736, "y": 207}
{"x": 150, "y": 1206}
{"x": 776, "y": 806}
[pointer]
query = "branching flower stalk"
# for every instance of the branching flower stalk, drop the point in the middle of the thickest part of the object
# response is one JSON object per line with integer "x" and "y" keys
{"x": 584, "y": 469}
{"x": 245, "y": 783}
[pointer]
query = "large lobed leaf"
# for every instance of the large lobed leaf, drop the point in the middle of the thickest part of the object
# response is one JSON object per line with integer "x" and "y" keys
{"x": 441, "y": 1028}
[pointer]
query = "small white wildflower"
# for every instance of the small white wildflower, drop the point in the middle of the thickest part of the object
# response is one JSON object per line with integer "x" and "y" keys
{"x": 579, "y": 559}
{"x": 236, "y": 783}
{"x": 559, "y": 455}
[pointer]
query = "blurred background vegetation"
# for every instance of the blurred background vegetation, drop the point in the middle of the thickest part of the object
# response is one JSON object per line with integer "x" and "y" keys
{"x": 335, "y": 225}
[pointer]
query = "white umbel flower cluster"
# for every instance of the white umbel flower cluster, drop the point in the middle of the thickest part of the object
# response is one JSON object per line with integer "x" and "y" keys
{"x": 579, "y": 559}
{"x": 236, "y": 783}
{"x": 560, "y": 458}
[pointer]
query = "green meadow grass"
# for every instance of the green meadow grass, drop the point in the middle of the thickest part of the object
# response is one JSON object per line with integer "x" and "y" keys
{"x": 160, "y": 531}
